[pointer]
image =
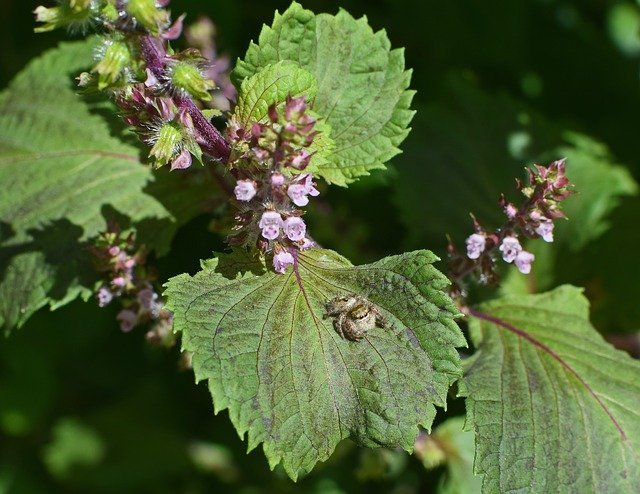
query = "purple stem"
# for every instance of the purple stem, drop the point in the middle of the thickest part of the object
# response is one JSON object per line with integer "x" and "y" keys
{"x": 212, "y": 142}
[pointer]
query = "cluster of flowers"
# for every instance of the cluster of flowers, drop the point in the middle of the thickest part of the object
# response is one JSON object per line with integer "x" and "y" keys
{"x": 157, "y": 89}
{"x": 127, "y": 278}
{"x": 546, "y": 188}
{"x": 269, "y": 161}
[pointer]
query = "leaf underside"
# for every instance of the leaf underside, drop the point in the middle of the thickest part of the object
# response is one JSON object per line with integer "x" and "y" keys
{"x": 362, "y": 85}
{"x": 65, "y": 168}
{"x": 274, "y": 360}
{"x": 554, "y": 407}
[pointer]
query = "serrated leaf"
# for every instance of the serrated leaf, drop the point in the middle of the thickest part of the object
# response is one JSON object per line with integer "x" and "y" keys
{"x": 269, "y": 86}
{"x": 554, "y": 407}
{"x": 290, "y": 380}
{"x": 63, "y": 170}
{"x": 362, "y": 84}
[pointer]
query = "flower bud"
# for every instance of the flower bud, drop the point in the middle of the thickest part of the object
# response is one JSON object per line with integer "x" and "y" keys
{"x": 187, "y": 77}
{"x": 115, "y": 59}
{"x": 64, "y": 15}
{"x": 167, "y": 145}
{"x": 148, "y": 15}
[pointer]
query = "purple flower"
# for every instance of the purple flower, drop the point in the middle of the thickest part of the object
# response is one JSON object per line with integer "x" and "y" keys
{"x": 524, "y": 260}
{"x": 302, "y": 187}
{"x": 105, "y": 296}
{"x": 475, "y": 245}
{"x": 245, "y": 190}
{"x": 114, "y": 250}
{"x": 128, "y": 320}
{"x": 309, "y": 185}
{"x": 182, "y": 161}
{"x": 147, "y": 298}
{"x": 277, "y": 179}
{"x": 281, "y": 260}
{"x": 510, "y": 248}
{"x": 301, "y": 159}
{"x": 295, "y": 228}
{"x": 545, "y": 229}
{"x": 119, "y": 281}
{"x": 510, "y": 210}
{"x": 307, "y": 244}
{"x": 271, "y": 222}
{"x": 298, "y": 194}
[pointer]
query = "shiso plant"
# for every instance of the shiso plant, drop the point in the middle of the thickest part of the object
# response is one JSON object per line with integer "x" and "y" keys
{"x": 302, "y": 348}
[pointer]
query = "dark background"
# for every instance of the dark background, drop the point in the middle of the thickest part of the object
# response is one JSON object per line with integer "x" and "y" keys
{"x": 72, "y": 383}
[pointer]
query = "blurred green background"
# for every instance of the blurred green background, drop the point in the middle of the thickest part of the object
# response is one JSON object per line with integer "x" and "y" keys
{"x": 85, "y": 408}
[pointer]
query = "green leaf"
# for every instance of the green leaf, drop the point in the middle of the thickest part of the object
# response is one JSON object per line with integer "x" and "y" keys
{"x": 553, "y": 405}
{"x": 73, "y": 445}
{"x": 362, "y": 84}
{"x": 271, "y": 86}
{"x": 65, "y": 169}
{"x": 286, "y": 376}
{"x": 600, "y": 184}
{"x": 452, "y": 445}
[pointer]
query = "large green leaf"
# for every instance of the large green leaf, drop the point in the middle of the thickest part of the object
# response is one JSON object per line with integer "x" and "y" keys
{"x": 288, "y": 378}
{"x": 554, "y": 407}
{"x": 362, "y": 84}
{"x": 64, "y": 170}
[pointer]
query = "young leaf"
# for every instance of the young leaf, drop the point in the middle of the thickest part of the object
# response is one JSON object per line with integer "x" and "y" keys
{"x": 271, "y": 86}
{"x": 62, "y": 171}
{"x": 554, "y": 407}
{"x": 362, "y": 84}
{"x": 273, "y": 358}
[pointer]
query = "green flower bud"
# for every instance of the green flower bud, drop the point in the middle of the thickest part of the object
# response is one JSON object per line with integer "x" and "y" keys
{"x": 148, "y": 15}
{"x": 168, "y": 143}
{"x": 80, "y": 5}
{"x": 187, "y": 77}
{"x": 115, "y": 59}
{"x": 76, "y": 15}
{"x": 109, "y": 12}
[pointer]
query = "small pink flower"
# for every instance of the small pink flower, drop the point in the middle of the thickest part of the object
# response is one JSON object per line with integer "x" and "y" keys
{"x": 307, "y": 244}
{"x": 298, "y": 194}
{"x": 271, "y": 222}
{"x": 105, "y": 296}
{"x": 183, "y": 161}
{"x": 475, "y": 245}
{"x": 309, "y": 185}
{"x": 277, "y": 179}
{"x": 301, "y": 160}
{"x": 245, "y": 190}
{"x": 128, "y": 319}
{"x": 119, "y": 281}
{"x": 301, "y": 188}
{"x": 147, "y": 298}
{"x": 545, "y": 229}
{"x": 114, "y": 251}
{"x": 261, "y": 154}
{"x": 295, "y": 228}
{"x": 281, "y": 260}
{"x": 523, "y": 261}
{"x": 510, "y": 210}
{"x": 510, "y": 248}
